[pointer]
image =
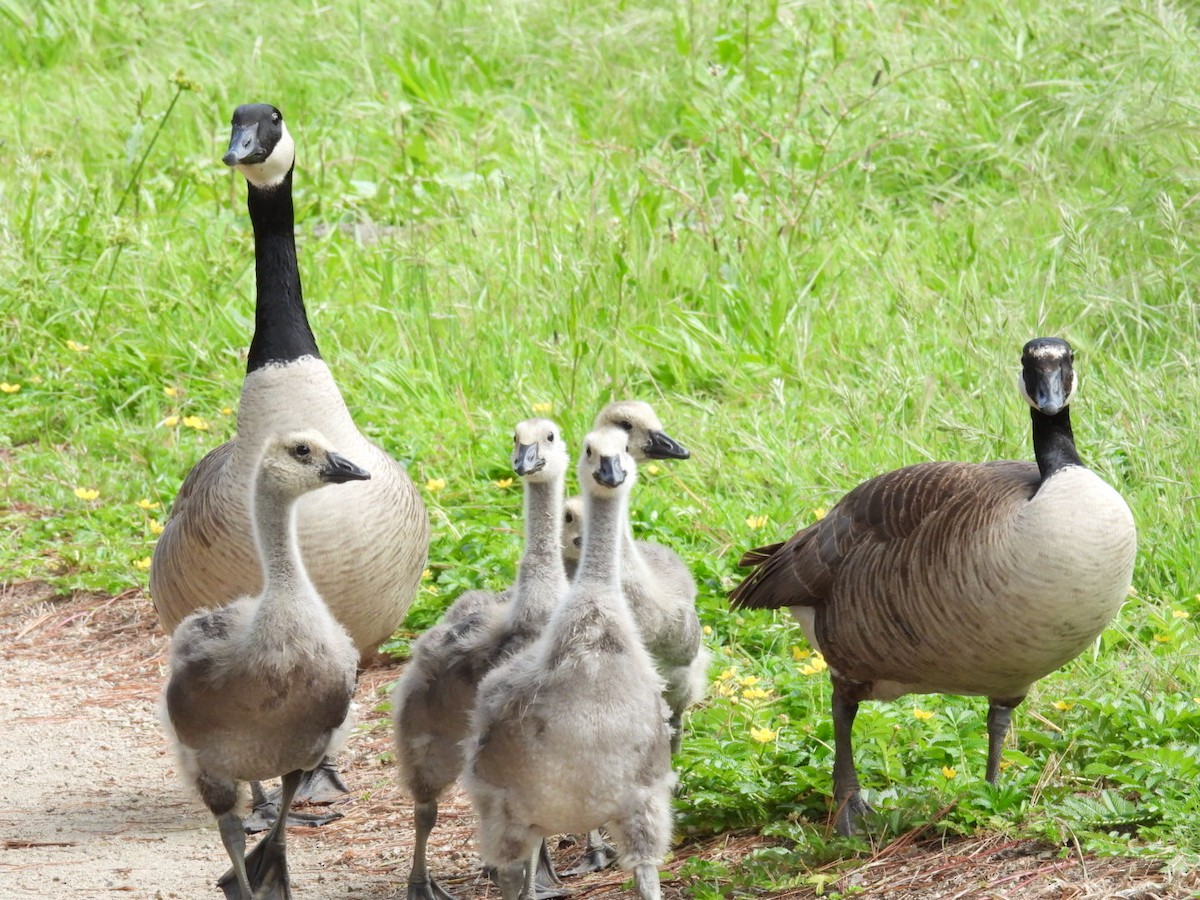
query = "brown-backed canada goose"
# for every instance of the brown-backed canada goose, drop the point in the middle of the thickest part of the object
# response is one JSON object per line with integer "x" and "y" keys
{"x": 540, "y": 762}
{"x": 261, "y": 687}
{"x": 432, "y": 701}
{"x": 365, "y": 547}
{"x": 957, "y": 578}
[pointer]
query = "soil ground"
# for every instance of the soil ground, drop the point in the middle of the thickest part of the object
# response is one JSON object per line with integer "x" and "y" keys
{"x": 90, "y": 806}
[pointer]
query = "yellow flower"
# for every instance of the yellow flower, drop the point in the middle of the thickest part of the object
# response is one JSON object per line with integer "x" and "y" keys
{"x": 77, "y": 347}
{"x": 503, "y": 483}
{"x": 922, "y": 715}
{"x": 653, "y": 469}
{"x": 143, "y": 563}
{"x": 148, "y": 504}
{"x": 799, "y": 654}
{"x": 727, "y": 674}
{"x": 9, "y": 388}
{"x": 170, "y": 421}
{"x": 1196, "y": 699}
{"x": 1179, "y": 614}
{"x": 756, "y": 694}
{"x": 1062, "y": 705}
{"x": 156, "y": 527}
{"x": 708, "y": 629}
{"x": 86, "y": 493}
{"x": 170, "y": 391}
{"x": 433, "y": 485}
{"x": 542, "y": 408}
{"x": 227, "y": 410}
{"x": 724, "y": 689}
{"x": 816, "y": 664}
{"x": 763, "y": 735}
{"x": 819, "y": 513}
{"x": 756, "y": 521}
{"x": 1163, "y": 638}
{"x": 195, "y": 422}
{"x": 948, "y": 771}
{"x": 750, "y": 681}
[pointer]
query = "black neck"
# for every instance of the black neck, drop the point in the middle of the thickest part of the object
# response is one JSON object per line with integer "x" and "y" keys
{"x": 281, "y": 332}
{"x": 1053, "y": 442}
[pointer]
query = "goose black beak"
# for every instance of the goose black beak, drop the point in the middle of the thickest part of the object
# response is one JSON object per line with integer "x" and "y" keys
{"x": 1049, "y": 394}
{"x": 338, "y": 469}
{"x": 663, "y": 446}
{"x": 527, "y": 460}
{"x": 244, "y": 147}
{"x": 610, "y": 472}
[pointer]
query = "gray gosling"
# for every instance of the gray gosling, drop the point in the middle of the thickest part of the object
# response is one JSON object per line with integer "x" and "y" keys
{"x": 364, "y": 547}
{"x": 539, "y": 762}
{"x": 432, "y": 701}
{"x": 261, "y": 687}
{"x": 957, "y": 578}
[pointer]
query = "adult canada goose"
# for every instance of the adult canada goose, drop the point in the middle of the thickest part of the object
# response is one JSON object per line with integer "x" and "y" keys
{"x": 261, "y": 687}
{"x": 957, "y": 578}
{"x": 432, "y": 701}
{"x": 364, "y": 547}
{"x": 541, "y": 762}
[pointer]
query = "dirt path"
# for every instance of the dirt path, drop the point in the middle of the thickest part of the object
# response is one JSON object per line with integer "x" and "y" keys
{"x": 91, "y": 808}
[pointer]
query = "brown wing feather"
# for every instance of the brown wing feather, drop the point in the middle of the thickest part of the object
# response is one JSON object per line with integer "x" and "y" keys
{"x": 802, "y": 570}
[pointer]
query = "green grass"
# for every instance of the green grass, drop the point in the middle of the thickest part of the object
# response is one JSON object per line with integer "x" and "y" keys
{"x": 815, "y": 236}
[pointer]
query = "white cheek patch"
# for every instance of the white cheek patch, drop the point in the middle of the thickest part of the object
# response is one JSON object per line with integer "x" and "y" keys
{"x": 272, "y": 170}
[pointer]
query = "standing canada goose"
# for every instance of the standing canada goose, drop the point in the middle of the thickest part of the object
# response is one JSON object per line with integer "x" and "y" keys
{"x": 957, "y": 578}
{"x": 261, "y": 687}
{"x": 432, "y": 701}
{"x": 541, "y": 762}
{"x": 365, "y": 547}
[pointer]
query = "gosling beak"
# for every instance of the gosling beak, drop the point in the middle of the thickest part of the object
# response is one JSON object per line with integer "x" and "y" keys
{"x": 663, "y": 446}
{"x": 527, "y": 460}
{"x": 244, "y": 147}
{"x": 610, "y": 473}
{"x": 1048, "y": 393}
{"x": 338, "y": 469}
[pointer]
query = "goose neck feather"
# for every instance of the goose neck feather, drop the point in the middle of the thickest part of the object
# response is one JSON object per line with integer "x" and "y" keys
{"x": 281, "y": 330}
{"x": 1053, "y": 442}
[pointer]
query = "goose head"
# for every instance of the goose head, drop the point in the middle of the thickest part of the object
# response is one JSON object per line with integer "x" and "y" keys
{"x": 647, "y": 439}
{"x": 539, "y": 452}
{"x": 1047, "y": 378}
{"x": 294, "y": 463}
{"x": 260, "y": 146}
{"x": 572, "y": 530}
{"x": 607, "y": 466}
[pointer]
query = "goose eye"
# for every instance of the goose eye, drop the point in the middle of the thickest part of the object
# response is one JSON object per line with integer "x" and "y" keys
{"x": 570, "y": 518}
{"x": 550, "y": 438}
{"x": 588, "y": 451}
{"x": 302, "y": 450}
{"x": 275, "y": 117}
{"x": 625, "y": 424}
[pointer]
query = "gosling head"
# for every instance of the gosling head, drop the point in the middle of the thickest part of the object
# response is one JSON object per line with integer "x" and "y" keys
{"x": 647, "y": 440}
{"x": 260, "y": 146}
{"x": 572, "y": 531}
{"x": 539, "y": 453}
{"x": 607, "y": 466}
{"x": 1047, "y": 379}
{"x": 296, "y": 462}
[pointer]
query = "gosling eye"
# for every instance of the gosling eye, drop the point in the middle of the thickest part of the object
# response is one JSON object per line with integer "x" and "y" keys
{"x": 301, "y": 451}
{"x": 625, "y": 424}
{"x": 550, "y": 438}
{"x": 588, "y": 450}
{"x": 570, "y": 518}
{"x": 276, "y": 117}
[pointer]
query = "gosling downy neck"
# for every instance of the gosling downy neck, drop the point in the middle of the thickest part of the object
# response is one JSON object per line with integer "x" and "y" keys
{"x": 1053, "y": 442}
{"x": 541, "y": 576}
{"x": 604, "y": 518}
{"x": 287, "y": 590}
{"x": 281, "y": 330}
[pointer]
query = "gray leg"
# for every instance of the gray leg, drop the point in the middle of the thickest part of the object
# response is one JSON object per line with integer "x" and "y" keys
{"x": 676, "y": 731}
{"x": 233, "y": 836}
{"x": 645, "y": 880}
{"x": 850, "y": 804}
{"x": 265, "y": 809}
{"x": 516, "y": 878}
{"x": 546, "y": 883}
{"x": 597, "y": 856}
{"x": 266, "y": 866}
{"x": 420, "y": 885}
{"x": 999, "y": 718}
